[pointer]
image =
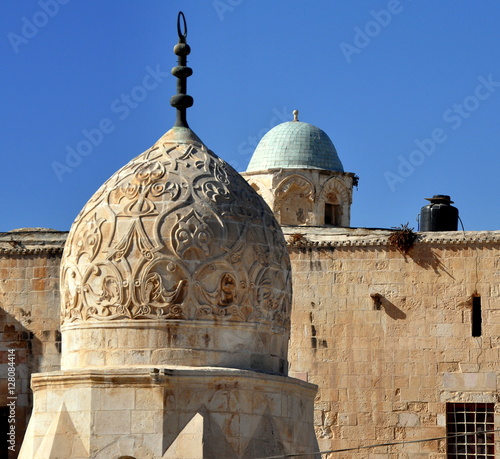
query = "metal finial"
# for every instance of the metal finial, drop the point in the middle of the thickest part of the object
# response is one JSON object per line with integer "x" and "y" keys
{"x": 182, "y": 36}
{"x": 295, "y": 115}
{"x": 181, "y": 101}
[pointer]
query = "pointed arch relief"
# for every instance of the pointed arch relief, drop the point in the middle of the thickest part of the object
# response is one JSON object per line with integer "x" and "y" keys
{"x": 294, "y": 204}
{"x": 262, "y": 191}
{"x": 334, "y": 201}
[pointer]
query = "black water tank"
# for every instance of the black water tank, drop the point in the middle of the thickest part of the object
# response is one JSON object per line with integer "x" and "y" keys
{"x": 439, "y": 215}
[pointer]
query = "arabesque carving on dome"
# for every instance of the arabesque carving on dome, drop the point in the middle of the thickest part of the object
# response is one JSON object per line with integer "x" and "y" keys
{"x": 271, "y": 302}
{"x": 91, "y": 239}
{"x": 192, "y": 238}
{"x": 223, "y": 298}
{"x": 176, "y": 234}
{"x": 144, "y": 185}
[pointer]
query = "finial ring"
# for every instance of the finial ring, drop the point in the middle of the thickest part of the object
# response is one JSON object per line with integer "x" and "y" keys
{"x": 182, "y": 36}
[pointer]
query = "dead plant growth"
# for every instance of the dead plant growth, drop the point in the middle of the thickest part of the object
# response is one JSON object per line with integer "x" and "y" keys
{"x": 403, "y": 238}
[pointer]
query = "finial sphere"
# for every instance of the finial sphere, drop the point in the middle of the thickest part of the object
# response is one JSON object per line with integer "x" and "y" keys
{"x": 182, "y": 49}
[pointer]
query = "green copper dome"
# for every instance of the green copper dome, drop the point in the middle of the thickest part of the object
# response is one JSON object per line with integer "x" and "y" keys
{"x": 295, "y": 144}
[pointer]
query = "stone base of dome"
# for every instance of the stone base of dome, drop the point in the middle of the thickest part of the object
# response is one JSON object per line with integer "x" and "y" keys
{"x": 305, "y": 196}
{"x": 169, "y": 413}
{"x": 153, "y": 343}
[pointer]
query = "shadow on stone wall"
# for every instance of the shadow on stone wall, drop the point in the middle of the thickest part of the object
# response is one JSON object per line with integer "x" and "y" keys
{"x": 25, "y": 355}
{"x": 380, "y": 302}
{"x": 424, "y": 256}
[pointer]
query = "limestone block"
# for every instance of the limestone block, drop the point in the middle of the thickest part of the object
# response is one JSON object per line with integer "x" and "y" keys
{"x": 189, "y": 443}
{"x": 62, "y": 440}
{"x": 470, "y": 381}
{"x": 116, "y": 422}
{"x": 111, "y": 399}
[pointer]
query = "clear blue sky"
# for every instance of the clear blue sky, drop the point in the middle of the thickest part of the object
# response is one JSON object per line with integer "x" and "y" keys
{"x": 380, "y": 77}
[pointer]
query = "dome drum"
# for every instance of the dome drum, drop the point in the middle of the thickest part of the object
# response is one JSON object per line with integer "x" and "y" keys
{"x": 174, "y": 343}
{"x": 305, "y": 197}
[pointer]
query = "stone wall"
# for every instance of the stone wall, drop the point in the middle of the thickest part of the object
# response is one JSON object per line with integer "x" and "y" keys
{"x": 29, "y": 321}
{"x": 388, "y": 338}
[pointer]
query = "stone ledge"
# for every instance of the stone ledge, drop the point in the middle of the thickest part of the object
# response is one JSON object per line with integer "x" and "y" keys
{"x": 49, "y": 250}
{"x": 29, "y": 241}
{"x": 147, "y": 376}
{"x": 39, "y": 240}
{"x": 316, "y": 236}
{"x": 147, "y": 412}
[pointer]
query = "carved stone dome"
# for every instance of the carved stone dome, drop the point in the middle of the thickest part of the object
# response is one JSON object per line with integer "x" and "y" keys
{"x": 176, "y": 260}
{"x": 295, "y": 145}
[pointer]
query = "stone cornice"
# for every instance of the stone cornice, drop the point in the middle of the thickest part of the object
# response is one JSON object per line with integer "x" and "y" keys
{"x": 146, "y": 376}
{"x": 32, "y": 241}
{"x": 295, "y": 170}
{"x": 31, "y": 251}
{"x": 324, "y": 237}
{"x": 20, "y": 243}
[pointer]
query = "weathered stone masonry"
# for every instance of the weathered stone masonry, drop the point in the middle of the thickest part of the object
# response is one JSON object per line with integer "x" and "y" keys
{"x": 29, "y": 312}
{"x": 385, "y": 370}
{"x": 387, "y": 338}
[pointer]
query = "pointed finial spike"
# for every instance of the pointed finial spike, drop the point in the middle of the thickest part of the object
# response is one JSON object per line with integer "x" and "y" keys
{"x": 295, "y": 115}
{"x": 181, "y": 101}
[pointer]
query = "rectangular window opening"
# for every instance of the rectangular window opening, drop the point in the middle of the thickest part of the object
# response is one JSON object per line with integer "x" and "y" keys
{"x": 477, "y": 320}
{"x": 333, "y": 214}
{"x": 328, "y": 214}
{"x": 470, "y": 430}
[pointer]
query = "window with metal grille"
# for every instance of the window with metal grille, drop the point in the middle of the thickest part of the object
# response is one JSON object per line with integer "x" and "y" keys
{"x": 470, "y": 430}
